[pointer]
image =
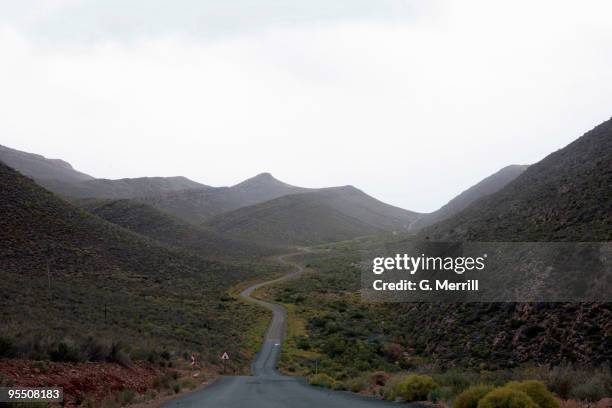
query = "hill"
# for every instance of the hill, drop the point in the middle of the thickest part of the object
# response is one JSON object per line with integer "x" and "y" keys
{"x": 39, "y": 167}
{"x": 123, "y": 188}
{"x": 153, "y": 223}
{"x": 567, "y": 196}
{"x": 197, "y": 206}
{"x": 324, "y": 215}
{"x": 68, "y": 275}
{"x": 487, "y": 186}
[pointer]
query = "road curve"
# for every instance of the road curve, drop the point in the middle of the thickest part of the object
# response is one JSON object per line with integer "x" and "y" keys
{"x": 267, "y": 388}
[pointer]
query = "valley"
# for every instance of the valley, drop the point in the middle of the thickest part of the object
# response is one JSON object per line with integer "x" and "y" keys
{"x": 162, "y": 275}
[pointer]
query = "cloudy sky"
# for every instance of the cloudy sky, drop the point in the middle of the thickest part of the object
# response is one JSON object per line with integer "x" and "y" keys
{"x": 411, "y": 101}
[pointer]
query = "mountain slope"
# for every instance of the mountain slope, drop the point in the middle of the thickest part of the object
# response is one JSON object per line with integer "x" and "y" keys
{"x": 155, "y": 224}
{"x": 489, "y": 185}
{"x": 62, "y": 269}
{"x": 197, "y": 206}
{"x": 123, "y": 188}
{"x": 325, "y": 215}
{"x": 39, "y": 167}
{"x": 566, "y": 196}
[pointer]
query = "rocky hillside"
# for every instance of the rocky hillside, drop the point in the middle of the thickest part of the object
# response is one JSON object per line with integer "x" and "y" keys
{"x": 565, "y": 197}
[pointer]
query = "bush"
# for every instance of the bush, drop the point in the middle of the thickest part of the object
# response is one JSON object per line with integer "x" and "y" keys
{"x": 537, "y": 391}
{"x": 358, "y": 384}
{"x": 65, "y": 353}
{"x": 471, "y": 396}
{"x": 593, "y": 390}
{"x": 415, "y": 387}
{"x": 506, "y": 398}
{"x": 321, "y": 380}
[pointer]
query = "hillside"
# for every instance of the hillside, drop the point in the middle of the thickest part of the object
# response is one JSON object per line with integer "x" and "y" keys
{"x": 68, "y": 275}
{"x": 148, "y": 221}
{"x": 325, "y": 215}
{"x": 565, "y": 197}
{"x": 41, "y": 168}
{"x": 197, "y": 206}
{"x": 487, "y": 186}
{"x": 123, "y": 188}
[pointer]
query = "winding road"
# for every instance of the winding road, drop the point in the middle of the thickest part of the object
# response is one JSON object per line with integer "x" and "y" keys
{"x": 267, "y": 388}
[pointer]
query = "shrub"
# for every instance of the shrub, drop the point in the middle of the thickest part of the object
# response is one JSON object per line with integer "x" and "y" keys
{"x": 471, "y": 396}
{"x": 592, "y": 390}
{"x": 321, "y": 380}
{"x": 459, "y": 380}
{"x": 537, "y": 391}
{"x": 416, "y": 387}
{"x": 64, "y": 352}
{"x": 506, "y": 398}
{"x": 358, "y": 384}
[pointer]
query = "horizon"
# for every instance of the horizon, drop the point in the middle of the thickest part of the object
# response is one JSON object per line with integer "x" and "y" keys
{"x": 393, "y": 97}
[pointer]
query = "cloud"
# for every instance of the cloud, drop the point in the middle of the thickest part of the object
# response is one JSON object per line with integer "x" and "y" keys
{"x": 411, "y": 111}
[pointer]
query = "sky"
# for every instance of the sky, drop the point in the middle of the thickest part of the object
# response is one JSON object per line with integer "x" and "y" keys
{"x": 410, "y": 101}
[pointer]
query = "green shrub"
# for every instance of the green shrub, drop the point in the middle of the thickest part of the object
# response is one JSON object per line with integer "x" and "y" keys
{"x": 537, "y": 391}
{"x": 592, "y": 390}
{"x": 358, "y": 384}
{"x": 415, "y": 387}
{"x": 459, "y": 380}
{"x": 321, "y": 380}
{"x": 506, "y": 398}
{"x": 470, "y": 397}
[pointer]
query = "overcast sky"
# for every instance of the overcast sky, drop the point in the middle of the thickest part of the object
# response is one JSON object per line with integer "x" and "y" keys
{"x": 411, "y": 101}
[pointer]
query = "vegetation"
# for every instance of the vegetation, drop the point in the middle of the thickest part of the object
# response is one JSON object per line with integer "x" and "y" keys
{"x": 470, "y": 397}
{"x": 324, "y": 215}
{"x": 68, "y": 275}
{"x": 506, "y": 398}
{"x": 153, "y": 223}
{"x": 565, "y": 197}
{"x": 537, "y": 391}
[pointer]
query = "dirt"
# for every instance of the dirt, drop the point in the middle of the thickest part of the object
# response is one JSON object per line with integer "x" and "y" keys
{"x": 92, "y": 380}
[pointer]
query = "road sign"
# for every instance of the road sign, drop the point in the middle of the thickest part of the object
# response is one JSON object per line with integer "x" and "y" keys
{"x": 225, "y": 356}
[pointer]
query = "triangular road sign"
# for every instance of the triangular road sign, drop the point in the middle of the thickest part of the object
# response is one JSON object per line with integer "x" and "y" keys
{"x": 225, "y": 356}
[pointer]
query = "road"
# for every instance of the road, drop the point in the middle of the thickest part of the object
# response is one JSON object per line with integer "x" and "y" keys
{"x": 267, "y": 388}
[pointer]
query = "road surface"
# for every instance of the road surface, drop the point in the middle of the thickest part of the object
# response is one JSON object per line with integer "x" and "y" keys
{"x": 267, "y": 388}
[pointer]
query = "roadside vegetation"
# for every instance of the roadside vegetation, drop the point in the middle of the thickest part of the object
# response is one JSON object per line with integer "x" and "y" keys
{"x": 418, "y": 352}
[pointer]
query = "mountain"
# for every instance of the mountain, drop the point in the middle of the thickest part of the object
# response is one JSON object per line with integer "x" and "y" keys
{"x": 197, "y": 206}
{"x": 324, "y": 215}
{"x": 39, "y": 167}
{"x": 123, "y": 188}
{"x": 59, "y": 176}
{"x": 565, "y": 197}
{"x": 487, "y": 186}
{"x": 87, "y": 277}
{"x": 153, "y": 223}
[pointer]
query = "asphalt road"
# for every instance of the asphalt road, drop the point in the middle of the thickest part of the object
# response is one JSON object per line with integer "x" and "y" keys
{"x": 266, "y": 388}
